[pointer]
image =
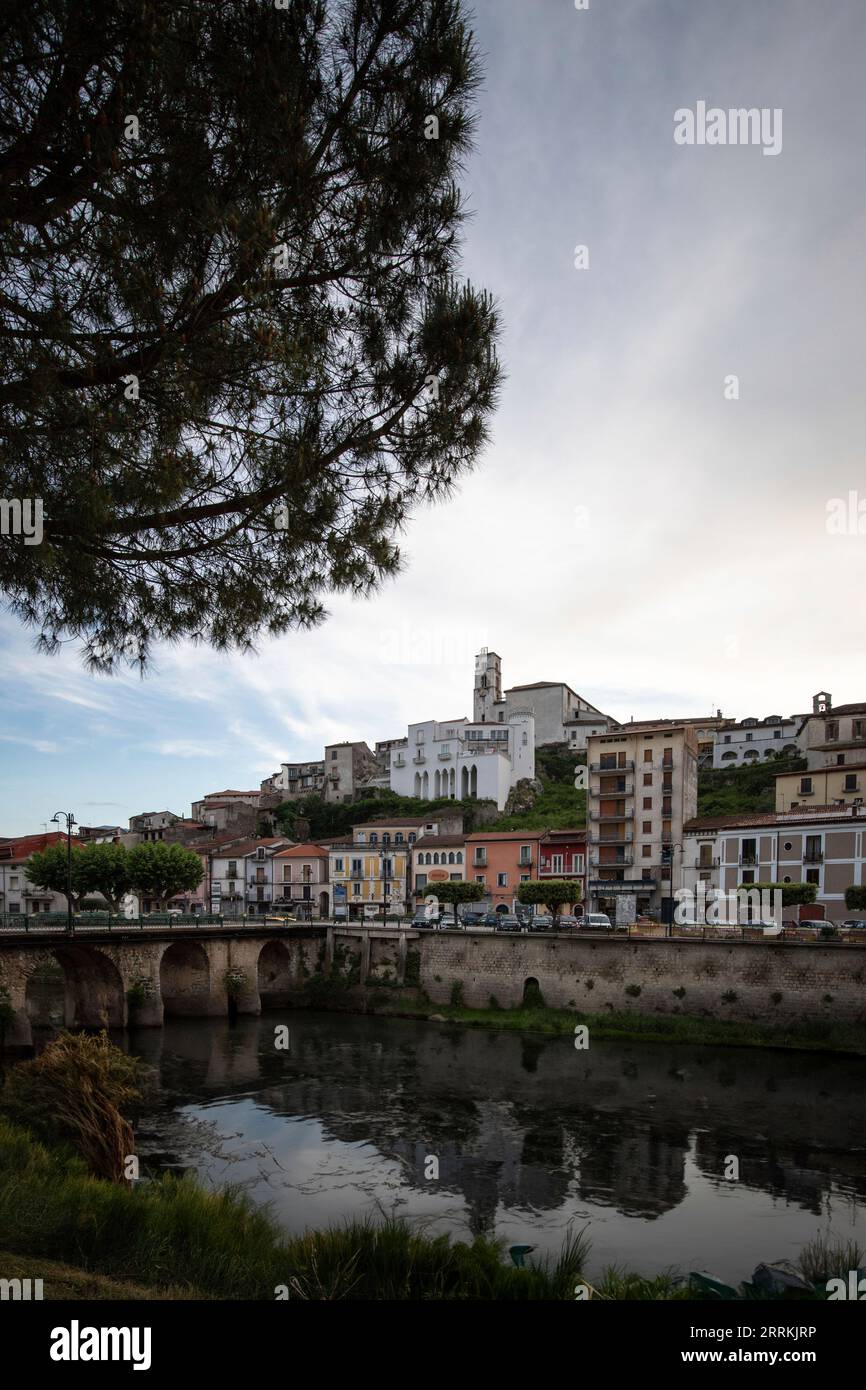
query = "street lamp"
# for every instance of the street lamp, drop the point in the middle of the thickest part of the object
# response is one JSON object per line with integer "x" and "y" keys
{"x": 70, "y": 821}
{"x": 670, "y": 915}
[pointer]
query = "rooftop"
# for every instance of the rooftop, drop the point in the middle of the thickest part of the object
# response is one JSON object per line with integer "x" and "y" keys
{"x": 305, "y": 851}
{"x": 800, "y": 816}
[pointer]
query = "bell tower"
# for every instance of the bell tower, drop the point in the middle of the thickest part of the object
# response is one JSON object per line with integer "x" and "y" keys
{"x": 488, "y": 686}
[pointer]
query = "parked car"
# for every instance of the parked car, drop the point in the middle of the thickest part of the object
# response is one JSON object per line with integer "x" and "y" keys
{"x": 566, "y": 921}
{"x": 421, "y": 920}
{"x": 506, "y": 922}
{"x": 472, "y": 919}
{"x": 594, "y": 921}
{"x": 853, "y": 923}
{"x": 491, "y": 919}
{"x": 540, "y": 922}
{"x": 448, "y": 922}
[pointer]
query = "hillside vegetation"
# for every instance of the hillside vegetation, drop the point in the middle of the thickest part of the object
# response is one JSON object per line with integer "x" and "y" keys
{"x": 724, "y": 791}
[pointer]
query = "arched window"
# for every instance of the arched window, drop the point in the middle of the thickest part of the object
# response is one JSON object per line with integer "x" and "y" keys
{"x": 374, "y": 838}
{"x": 386, "y": 838}
{"x": 726, "y": 757}
{"x": 459, "y": 856}
{"x": 451, "y": 857}
{"x": 436, "y": 857}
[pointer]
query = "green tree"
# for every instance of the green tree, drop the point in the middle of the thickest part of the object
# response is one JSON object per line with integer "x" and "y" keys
{"x": 47, "y": 869}
{"x": 455, "y": 893}
{"x": 105, "y": 869}
{"x": 160, "y": 871}
{"x": 235, "y": 351}
{"x": 792, "y": 893}
{"x": 855, "y": 898}
{"x": 552, "y": 893}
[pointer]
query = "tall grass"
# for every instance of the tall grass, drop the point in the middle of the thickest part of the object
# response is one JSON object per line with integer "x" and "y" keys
{"x": 822, "y": 1259}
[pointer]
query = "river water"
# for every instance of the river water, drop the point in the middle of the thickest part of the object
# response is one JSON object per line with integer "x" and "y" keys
{"x": 531, "y": 1137}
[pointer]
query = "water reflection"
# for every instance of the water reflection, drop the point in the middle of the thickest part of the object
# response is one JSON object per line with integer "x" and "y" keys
{"x": 530, "y": 1135}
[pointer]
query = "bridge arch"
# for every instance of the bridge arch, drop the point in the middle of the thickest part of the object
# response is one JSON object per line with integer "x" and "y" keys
{"x": 90, "y": 993}
{"x": 275, "y": 975}
{"x": 184, "y": 979}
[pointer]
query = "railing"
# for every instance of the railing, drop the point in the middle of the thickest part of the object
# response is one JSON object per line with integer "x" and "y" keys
{"x": 625, "y": 838}
{"x": 627, "y": 766}
{"x": 612, "y": 815}
{"x": 706, "y": 863}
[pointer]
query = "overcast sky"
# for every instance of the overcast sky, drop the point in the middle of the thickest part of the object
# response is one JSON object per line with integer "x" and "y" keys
{"x": 662, "y": 549}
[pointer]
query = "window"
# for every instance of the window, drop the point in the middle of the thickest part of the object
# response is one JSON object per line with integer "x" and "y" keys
{"x": 646, "y": 851}
{"x": 851, "y": 783}
{"x": 727, "y": 738}
{"x": 338, "y": 866}
{"x": 412, "y": 838}
{"x": 459, "y": 856}
{"x": 386, "y": 838}
{"x": 647, "y": 826}
{"x": 666, "y": 806}
{"x": 668, "y": 756}
{"x": 480, "y": 854}
{"x": 356, "y": 890}
{"x": 556, "y": 863}
{"x": 858, "y": 728}
{"x": 287, "y": 873}
{"x": 260, "y": 854}
{"x": 524, "y": 878}
{"x": 233, "y": 868}
{"x": 647, "y": 803}
{"x": 502, "y": 880}
{"x": 357, "y": 868}
{"x": 749, "y": 737}
{"x": 398, "y": 838}
{"x": 647, "y": 755}
{"x": 832, "y": 730}
{"x": 577, "y": 863}
{"x": 420, "y": 880}
{"x": 813, "y": 875}
{"x": 749, "y": 854}
{"x": 777, "y": 733}
{"x": 480, "y": 878}
{"x": 526, "y": 854}
{"x": 436, "y": 857}
{"x": 805, "y": 786}
{"x": 647, "y": 779}
{"x": 748, "y": 875}
{"x": 333, "y": 755}
{"x": 374, "y": 838}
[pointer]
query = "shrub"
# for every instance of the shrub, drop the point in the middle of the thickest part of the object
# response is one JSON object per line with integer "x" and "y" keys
{"x": 729, "y": 996}
{"x": 73, "y": 1091}
{"x": 457, "y": 994}
{"x": 680, "y": 992}
{"x": 632, "y": 991}
{"x": 493, "y": 1002}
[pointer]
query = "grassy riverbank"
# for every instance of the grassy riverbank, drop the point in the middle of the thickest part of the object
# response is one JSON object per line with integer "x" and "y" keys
{"x": 622, "y": 1026}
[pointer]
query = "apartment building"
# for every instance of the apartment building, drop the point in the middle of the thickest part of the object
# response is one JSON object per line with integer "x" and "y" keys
{"x": 17, "y": 893}
{"x": 437, "y": 859}
{"x": 562, "y": 854}
{"x": 744, "y": 742}
{"x": 560, "y": 715}
{"x": 500, "y": 860}
{"x": 643, "y": 786}
{"x": 459, "y": 759}
{"x": 300, "y": 877}
{"x": 841, "y": 784}
{"x": 833, "y": 736}
{"x": 369, "y": 878}
{"x": 297, "y": 779}
{"x": 241, "y": 876}
{"x": 824, "y": 845}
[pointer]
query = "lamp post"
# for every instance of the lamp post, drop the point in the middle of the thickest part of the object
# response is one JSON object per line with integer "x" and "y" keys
{"x": 70, "y": 821}
{"x": 671, "y": 847}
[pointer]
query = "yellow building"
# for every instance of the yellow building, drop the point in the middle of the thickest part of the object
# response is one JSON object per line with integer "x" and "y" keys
{"x": 368, "y": 881}
{"x": 835, "y": 785}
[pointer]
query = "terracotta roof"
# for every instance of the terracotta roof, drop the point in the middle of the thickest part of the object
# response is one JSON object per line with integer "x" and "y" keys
{"x": 246, "y": 847}
{"x": 307, "y": 851}
{"x": 437, "y": 841}
{"x": 831, "y": 767}
{"x": 840, "y": 709}
{"x": 22, "y": 846}
{"x": 404, "y": 820}
{"x": 801, "y": 816}
{"x": 579, "y": 833}
{"x": 507, "y": 835}
{"x": 230, "y": 791}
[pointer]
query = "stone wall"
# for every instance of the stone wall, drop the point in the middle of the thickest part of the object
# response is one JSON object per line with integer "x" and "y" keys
{"x": 771, "y": 982}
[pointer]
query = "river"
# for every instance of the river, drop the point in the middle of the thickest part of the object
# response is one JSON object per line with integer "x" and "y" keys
{"x": 531, "y": 1137}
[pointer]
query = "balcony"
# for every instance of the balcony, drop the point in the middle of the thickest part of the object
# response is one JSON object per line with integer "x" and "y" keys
{"x": 611, "y": 815}
{"x": 480, "y": 863}
{"x": 749, "y": 860}
{"x": 445, "y": 756}
{"x": 546, "y": 872}
{"x": 420, "y": 758}
{"x": 399, "y": 761}
{"x": 813, "y": 856}
{"x": 627, "y": 766}
{"x": 625, "y": 838}
{"x": 597, "y": 863}
{"x": 706, "y": 864}
{"x": 622, "y": 788}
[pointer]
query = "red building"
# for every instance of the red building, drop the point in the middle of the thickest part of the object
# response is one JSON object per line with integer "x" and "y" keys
{"x": 562, "y": 854}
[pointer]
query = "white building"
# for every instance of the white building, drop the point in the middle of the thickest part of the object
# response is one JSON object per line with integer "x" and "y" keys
{"x": 746, "y": 741}
{"x": 460, "y": 759}
{"x": 561, "y": 715}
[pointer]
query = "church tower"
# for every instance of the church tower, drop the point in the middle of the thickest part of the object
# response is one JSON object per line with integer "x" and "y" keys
{"x": 488, "y": 686}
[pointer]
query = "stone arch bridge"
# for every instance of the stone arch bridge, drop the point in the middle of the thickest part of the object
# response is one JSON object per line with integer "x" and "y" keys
{"x": 113, "y": 979}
